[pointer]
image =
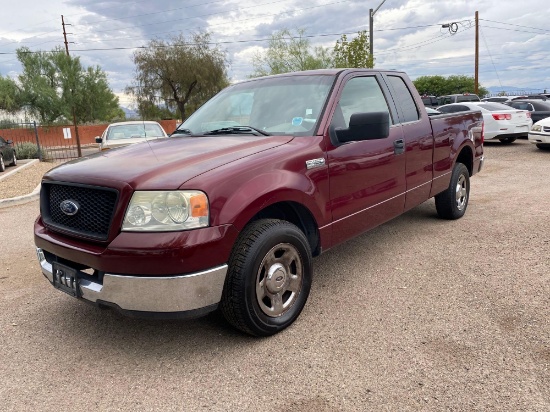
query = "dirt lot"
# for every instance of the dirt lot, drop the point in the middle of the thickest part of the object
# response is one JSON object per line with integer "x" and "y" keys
{"x": 419, "y": 314}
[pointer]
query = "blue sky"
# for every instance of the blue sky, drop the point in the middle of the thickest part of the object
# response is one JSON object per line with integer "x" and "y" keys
{"x": 408, "y": 34}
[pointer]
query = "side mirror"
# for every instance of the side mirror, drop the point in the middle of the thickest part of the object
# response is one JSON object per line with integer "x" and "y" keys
{"x": 98, "y": 139}
{"x": 9, "y": 141}
{"x": 365, "y": 126}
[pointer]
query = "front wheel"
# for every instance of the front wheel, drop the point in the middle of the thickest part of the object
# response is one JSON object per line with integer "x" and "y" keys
{"x": 507, "y": 140}
{"x": 269, "y": 278}
{"x": 543, "y": 146}
{"x": 452, "y": 203}
{"x": 2, "y": 164}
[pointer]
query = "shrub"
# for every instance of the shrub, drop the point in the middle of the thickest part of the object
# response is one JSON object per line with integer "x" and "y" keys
{"x": 27, "y": 150}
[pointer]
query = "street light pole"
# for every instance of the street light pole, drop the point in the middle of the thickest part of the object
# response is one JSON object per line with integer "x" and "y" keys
{"x": 371, "y": 29}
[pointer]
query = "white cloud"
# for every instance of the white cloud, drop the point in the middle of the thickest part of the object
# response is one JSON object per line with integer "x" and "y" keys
{"x": 408, "y": 34}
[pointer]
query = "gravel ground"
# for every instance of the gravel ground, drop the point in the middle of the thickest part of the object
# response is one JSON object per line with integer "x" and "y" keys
{"x": 419, "y": 314}
{"x": 24, "y": 181}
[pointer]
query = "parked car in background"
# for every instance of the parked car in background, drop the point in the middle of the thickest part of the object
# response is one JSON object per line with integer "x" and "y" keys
{"x": 7, "y": 154}
{"x": 531, "y": 97}
{"x": 539, "y": 109}
{"x": 457, "y": 98}
{"x": 432, "y": 112}
{"x": 499, "y": 99}
{"x": 540, "y": 134}
{"x": 500, "y": 121}
{"x": 125, "y": 133}
{"x": 429, "y": 101}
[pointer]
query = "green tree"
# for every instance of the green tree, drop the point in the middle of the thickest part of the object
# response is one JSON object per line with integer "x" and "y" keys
{"x": 52, "y": 84}
{"x": 440, "y": 85}
{"x": 288, "y": 52}
{"x": 183, "y": 73}
{"x": 353, "y": 53}
{"x": 10, "y": 95}
{"x": 97, "y": 101}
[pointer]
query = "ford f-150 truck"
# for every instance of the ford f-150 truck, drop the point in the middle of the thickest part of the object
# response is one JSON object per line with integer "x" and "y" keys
{"x": 228, "y": 212}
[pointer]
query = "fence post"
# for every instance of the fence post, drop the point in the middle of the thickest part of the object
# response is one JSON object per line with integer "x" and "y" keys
{"x": 37, "y": 141}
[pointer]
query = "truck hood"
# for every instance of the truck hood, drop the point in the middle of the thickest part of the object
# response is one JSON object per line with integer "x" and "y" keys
{"x": 163, "y": 164}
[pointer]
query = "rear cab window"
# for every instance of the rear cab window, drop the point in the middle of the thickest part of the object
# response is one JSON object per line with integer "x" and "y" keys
{"x": 403, "y": 97}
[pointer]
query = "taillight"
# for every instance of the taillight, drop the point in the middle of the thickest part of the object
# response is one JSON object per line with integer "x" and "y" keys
{"x": 498, "y": 116}
{"x": 482, "y": 132}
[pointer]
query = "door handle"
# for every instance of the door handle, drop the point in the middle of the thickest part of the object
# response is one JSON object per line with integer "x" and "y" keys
{"x": 399, "y": 146}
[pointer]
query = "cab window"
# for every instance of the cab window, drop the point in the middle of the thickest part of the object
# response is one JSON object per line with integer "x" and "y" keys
{"x": 360, "y": 95}
{"x": 404, "y": 98}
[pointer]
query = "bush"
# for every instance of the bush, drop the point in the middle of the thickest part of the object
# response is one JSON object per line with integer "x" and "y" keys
{"x": 26, "y": 150}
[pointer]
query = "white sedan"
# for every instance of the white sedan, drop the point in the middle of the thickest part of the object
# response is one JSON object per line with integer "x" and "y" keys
{"x": 125, "y": 133}
{"x": 500, "y": 121}
{"x": 540, "y": 134}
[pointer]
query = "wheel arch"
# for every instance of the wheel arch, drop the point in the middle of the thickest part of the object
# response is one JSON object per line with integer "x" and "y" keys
{"x": 283, "y": 195}
{"x": 297, "y": 214}
{"x": 466, "y": 157}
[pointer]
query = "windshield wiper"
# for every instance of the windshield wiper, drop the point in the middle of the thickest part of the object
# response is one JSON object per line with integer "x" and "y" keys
{"x": 237, "y": 130}
{"x": 182, "y": 131}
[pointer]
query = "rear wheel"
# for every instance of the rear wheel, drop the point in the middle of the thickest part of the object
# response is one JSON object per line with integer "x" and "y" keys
{"x": 452, "y": 203}
{"x": 507, "y": 140}
{"x": 269, "y": 278}
{"x": 14, "y": 161}
{"x": 543, "y": 146}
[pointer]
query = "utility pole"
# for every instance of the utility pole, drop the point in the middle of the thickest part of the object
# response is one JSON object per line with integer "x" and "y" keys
{"x": 476, "y": 65}
{"x": 78, "y": 148}
{"x": 371, "y": 30}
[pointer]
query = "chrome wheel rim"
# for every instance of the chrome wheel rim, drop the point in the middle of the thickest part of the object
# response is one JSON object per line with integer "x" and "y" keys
{"x": 461, "y": 193}
{"x": 1, "y": 162}
{"x": 279, "y": 280}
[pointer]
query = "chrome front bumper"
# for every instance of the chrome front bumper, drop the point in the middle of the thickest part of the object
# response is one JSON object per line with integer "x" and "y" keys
{"x": 168, "y": 294}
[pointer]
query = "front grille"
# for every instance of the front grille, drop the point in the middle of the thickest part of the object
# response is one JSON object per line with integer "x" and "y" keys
{"x": 96, "y": 206}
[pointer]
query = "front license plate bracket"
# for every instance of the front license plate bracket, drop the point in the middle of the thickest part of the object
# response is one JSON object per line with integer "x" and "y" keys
{"x": 66, "y": 279}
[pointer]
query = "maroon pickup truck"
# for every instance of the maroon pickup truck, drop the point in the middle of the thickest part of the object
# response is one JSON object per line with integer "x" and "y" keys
{"x": 228, "y": 212}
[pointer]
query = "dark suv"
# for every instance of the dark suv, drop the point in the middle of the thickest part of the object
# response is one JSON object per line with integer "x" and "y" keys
{"x": 7, "y": 154}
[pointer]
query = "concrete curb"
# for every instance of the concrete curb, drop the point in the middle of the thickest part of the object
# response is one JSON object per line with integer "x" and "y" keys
{"x": 19, "y": 200}
{"x": 21, "y": 167}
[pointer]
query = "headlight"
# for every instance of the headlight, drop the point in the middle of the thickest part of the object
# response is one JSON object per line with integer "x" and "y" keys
{"x": 537, "y": 128}
{"x": 166, "y": 211}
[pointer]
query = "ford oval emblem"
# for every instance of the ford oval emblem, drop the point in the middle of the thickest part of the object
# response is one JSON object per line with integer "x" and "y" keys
{"x": 69, "y": 207}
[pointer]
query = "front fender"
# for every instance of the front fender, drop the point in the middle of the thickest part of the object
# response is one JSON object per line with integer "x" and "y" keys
{"x": 311, "y": 191}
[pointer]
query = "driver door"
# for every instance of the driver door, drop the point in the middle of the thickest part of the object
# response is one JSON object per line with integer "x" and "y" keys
{"x": 367, "y": 178}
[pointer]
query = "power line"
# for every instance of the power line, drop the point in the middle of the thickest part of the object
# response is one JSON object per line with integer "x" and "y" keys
{"x": 232, "y": 41}
{"x": 516, "y": 25}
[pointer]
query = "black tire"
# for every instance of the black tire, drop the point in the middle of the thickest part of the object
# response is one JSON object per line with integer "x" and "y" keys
{"x": 2, "y": 165}
{"x": 452, "y": 203}
{"x": 507, "y": 140}
{"x": 14, "y": 161}
{"x": 270, "y": 271}
{"x": 543, "y": 146}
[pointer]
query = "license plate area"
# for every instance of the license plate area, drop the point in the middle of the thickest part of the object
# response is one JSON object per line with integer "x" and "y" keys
{"x": 65, "y": 279}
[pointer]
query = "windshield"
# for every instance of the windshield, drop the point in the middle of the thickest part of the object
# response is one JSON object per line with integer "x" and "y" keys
{"x": 288, "y": 105}
{"x": 131, "y": 131}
